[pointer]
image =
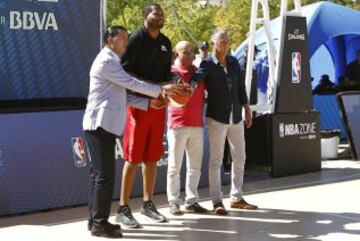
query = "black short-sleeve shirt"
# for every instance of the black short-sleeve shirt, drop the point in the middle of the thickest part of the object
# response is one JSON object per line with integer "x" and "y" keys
{"x": 147, "y": 58}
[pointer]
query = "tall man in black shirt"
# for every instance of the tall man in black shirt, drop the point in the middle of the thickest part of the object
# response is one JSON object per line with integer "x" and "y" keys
{"x": 148, "y": 56}
{"x": 227, "y": 97}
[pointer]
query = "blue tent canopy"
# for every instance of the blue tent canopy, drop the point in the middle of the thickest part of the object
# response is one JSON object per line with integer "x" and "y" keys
{"x": 333, "y": 26}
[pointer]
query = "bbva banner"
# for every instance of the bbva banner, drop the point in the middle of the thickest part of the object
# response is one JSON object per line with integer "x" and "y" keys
{"x": 47, "y": 47}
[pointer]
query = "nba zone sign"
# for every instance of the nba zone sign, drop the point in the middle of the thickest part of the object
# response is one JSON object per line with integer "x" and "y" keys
{"x": 296, "y": 129}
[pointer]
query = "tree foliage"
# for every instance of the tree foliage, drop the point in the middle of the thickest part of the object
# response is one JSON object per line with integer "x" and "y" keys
{"x": 186, "y": 20}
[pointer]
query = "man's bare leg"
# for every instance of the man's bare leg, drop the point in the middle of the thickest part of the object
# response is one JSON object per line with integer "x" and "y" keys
{"x": 124, "y": 214}
{"x": 149, "y": 171}
{"x": 127, "y": 182}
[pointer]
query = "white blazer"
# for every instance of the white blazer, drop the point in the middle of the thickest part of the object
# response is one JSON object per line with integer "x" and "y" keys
{"x": 107, "y": 99}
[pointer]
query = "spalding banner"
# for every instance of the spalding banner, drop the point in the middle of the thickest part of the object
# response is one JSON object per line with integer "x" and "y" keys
{"x": 294, "y": 81}
{"x": 47, "y": 47}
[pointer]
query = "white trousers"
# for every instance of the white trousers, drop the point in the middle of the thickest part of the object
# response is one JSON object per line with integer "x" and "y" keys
{"x": 218, "y": 133}
{"x": 191, "y": 141}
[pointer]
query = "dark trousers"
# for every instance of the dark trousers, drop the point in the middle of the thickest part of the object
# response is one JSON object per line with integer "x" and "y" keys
{"x": 102, "y": 173}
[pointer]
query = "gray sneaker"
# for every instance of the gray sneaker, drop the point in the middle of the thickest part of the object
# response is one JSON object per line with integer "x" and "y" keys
{"x": 175, "y": 209}
{"x": 150, "y": 211}
{"x": 125, "y": 217}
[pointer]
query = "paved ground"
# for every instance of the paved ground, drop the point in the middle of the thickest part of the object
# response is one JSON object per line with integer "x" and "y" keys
{"x": 315, "y": 206}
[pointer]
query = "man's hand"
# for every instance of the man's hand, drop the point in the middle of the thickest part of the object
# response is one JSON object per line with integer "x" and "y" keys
{"x": 188, "y": 88}
{"x": 157, "y": 104}
{"x": 171, "y": 90}
{"x": 248, "y": 117}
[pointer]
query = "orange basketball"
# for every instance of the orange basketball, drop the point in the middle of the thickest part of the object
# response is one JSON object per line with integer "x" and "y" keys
{"x": 181, "y": 99}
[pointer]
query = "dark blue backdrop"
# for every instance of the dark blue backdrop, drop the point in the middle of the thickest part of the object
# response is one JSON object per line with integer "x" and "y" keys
{"x": 40, "y": 167}
{"x": 38, "y": 62}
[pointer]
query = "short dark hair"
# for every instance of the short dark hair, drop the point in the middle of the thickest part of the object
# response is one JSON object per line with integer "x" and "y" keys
{"x": 203, "y": 44}
{"x": 148, "y": 8}
{"x": 112, "y": 31}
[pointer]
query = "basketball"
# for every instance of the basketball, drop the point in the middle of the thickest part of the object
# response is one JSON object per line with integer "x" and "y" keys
{"x": 181, "y": 99}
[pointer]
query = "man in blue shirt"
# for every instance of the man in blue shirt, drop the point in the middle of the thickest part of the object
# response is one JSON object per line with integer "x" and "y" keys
{"x": 227, "y": 97}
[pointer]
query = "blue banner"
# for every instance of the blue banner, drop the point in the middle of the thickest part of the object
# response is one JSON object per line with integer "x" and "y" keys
{"x": 47, "y": 47}
{"x": 44, "y": 162}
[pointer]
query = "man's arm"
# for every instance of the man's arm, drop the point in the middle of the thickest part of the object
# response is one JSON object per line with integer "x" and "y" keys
{"x": 248, "y": 116}
{"x": 137, "y": 102}
{"x": 131, "y": 55}
{"x": 243, "y": 98}
{"x": 200, "y": 74}
{"x": 113, "y": 71}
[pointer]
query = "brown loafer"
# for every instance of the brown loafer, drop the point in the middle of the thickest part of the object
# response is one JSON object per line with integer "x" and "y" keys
{"x": 242, "y": 204}
{"x": 219, "y": 209}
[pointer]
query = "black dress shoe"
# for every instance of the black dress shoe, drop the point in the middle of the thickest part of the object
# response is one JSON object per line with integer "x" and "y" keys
{"x": 125, "y": 217}
{"x": 114, "y": 226}
{"x": 150, "y": 211}
{"x": 107, "y": 230}
{"x": 89, "y": 225}
{"x": 196, "y": 208}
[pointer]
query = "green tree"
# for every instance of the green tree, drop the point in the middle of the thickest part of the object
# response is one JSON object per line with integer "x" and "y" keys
{"x": 235, "y": 17}
{"x": 185, "y": 20}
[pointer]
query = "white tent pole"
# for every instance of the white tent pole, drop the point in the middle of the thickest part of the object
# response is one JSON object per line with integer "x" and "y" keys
{"x": 251, "y": 40}
{"x": 298, "y": 6}
{"x": 270, "y": 46}
{"x": 265, "y": 21}
{"x": 283, "y": 7}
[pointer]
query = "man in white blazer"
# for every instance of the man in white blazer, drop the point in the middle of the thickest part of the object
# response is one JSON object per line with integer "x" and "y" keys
{"x": 104, "y": 120}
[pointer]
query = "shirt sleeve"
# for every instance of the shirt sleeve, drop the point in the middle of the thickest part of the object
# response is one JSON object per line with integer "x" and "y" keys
{"x": 200, "y": 74}
{"x": 137, "y": 102}
{"x": 114, "y": 72}
{"x": 243, "y": 99}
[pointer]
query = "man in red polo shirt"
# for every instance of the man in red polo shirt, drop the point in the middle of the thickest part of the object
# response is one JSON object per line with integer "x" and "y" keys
{"x": 185, "y": 133}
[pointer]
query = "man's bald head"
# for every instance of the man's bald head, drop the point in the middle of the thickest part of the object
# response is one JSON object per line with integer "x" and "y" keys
{"x": 184, "y": 53}
{"x": 182, "y": 45}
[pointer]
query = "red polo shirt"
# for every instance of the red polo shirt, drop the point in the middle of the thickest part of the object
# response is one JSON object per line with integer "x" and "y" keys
{"x": 191, "y": 114}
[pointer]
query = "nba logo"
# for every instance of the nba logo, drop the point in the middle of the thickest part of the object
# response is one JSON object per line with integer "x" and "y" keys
{"x": 78, "y": 148}
{"x": 296, "y": 67}
{"x": 281, "y": 130}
